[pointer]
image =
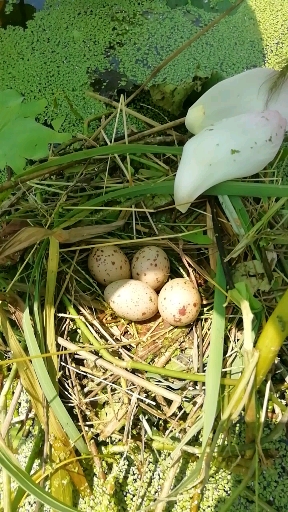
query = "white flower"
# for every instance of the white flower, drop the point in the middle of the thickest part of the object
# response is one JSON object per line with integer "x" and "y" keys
{"x": 230, "y": 149}
{"x": 240, "y": 94}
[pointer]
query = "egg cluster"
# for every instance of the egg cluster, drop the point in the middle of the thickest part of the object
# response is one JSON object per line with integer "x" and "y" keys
{"x": 131, "y": 290}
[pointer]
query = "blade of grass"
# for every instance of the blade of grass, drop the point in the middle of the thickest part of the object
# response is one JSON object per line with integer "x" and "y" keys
{"x": 227, "y": 506}
{"x": 36, "y": 277}
{"x": 231, "y": 215}
{"x": 60, "y": 443}
{"x": 6, "y": 478}
{"x": 49, "y": 309}
{"x": 261, "y": 503}
{"x": 272, "y": 338}
{"x": 214, "y": 366}
{"x": 11, "y": 465}
{"x": 197, "y": 474}
{"x": 61, "y": 486}
{"x": 188, "y": 436}
{"x": 112, "y": 149}
{"x": 32, "y": 235}
{"x": 73, "y": 235}
{"x": 244, "y": 220}
{"x": 60, "y": 483}
{"x": 38, "y": 439}
{"x": 166, "y": 188}
{"x": 48, "y": 388}
{"x": 230, "y": 412}
{"x": 252, "y": 234}
{"x": 22, "y": 239}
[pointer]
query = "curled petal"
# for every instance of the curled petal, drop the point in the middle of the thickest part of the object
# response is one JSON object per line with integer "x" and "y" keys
{"x": 232, "y": 148}
{"x": 240, "y": 94}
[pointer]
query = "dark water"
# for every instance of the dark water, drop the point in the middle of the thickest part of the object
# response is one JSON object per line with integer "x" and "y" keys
{"x": 19, "y": 13}
{"x": 206, "y": 5}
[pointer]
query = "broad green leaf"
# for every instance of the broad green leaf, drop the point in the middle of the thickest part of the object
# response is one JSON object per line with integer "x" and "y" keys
{"x": 10, "y": 98}
{"x": 33, "y": 108}
{"x": 57, "y": 123}
{"x": 21, "y": 137}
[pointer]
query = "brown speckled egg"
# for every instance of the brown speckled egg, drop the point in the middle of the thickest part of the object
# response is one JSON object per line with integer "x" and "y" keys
{"x": 179, "y": 302}
{"x": 151, "y": 266}
{"x": 108, "y": 264}
{"x": 131, "y": 299}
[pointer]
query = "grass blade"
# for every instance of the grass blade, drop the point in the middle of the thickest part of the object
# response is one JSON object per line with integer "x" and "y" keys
{"x": 49, "y": 308}
{"x": 48, "y": 388}
{"x": 250, "y": 237}
{"x": 214, "y": 366}
{"x": 244, "y": 220}
{"x": 231, "y": 188}
{"x": 10, "y": 464}
{"x": 61, "y": 446}
{"x": 272, "y": 338}
{"x": 113, "y": 149}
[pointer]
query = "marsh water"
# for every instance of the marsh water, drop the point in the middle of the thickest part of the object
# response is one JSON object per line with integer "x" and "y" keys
{"x": 18, "y": 13}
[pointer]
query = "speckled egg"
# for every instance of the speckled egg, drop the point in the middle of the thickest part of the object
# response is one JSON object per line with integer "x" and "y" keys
{"x": 132, "y": 299}
{"x": 179, "y": 302}
{"x": 108, "y": 264}
{"x": 151, "y": 266}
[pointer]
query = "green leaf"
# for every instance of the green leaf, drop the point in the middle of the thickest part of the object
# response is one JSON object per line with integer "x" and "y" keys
{"x": 197, "y": 238}
{"x": 33, "y": 108}
{"x": 21, "y": 137}
{"x": 214, "y": 366}
{"x": 47, "y": 386}
{"x": 242, "y": 292}
{"x": 57, "y": 123}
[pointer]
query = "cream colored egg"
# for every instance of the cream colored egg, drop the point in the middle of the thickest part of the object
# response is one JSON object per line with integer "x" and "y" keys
{"x": 132, "y": 299}
{"x": 108, "y": 264}
{"x": 179, "y": 302}
{"x": 151, "y": 266}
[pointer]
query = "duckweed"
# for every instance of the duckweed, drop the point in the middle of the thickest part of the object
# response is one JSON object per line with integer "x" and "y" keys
{"x": 67, "y": 42}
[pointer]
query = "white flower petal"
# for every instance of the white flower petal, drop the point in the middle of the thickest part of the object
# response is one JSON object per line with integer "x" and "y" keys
{"x": 240, "y": 94}
{"x": 232, "y": 148}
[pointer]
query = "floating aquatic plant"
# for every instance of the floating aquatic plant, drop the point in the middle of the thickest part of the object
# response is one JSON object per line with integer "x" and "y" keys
{"x": 56, "y": 56}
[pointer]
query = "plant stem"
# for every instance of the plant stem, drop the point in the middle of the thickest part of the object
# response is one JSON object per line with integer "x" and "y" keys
{"x": 3, "y": 412}
{"x": 181, "y": 49}
{"x": 133, "y": 364}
